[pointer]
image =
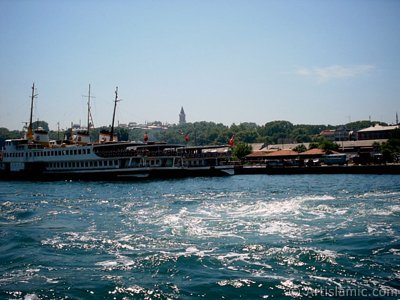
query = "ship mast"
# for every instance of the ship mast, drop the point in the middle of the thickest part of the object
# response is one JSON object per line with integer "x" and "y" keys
{"x": 30, "y": 128}
{"x": 115, "y": 107}
{"x": 89, "y": 112}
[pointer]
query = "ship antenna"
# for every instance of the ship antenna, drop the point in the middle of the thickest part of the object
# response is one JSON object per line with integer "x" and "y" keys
{"x": 30, "y": 128}
{"x": 115, "y": 106}
{"x": 89, "y": 115}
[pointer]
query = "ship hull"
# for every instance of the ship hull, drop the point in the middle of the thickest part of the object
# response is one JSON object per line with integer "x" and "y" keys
{"x": 119, "y": 175}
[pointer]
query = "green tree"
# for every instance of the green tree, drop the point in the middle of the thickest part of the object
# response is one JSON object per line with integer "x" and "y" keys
{"x": 42, "y": 124}
{"x": 300, "y": 148}
{"x": 276, "y": 130}
{"x": 391, "y": 148}
{"x": 328, "y": 146}
{"x": 241, "y": 150}
{"x": 122, "y": 133}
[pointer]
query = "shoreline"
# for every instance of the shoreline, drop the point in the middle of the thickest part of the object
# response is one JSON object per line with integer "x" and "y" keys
{"x": 391, "y": 169}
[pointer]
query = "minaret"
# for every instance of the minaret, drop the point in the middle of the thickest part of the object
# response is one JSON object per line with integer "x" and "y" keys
{"x": 182, "y": 116}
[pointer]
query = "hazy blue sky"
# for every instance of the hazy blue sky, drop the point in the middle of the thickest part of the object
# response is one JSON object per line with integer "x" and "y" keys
{"x": 314, "y": 62}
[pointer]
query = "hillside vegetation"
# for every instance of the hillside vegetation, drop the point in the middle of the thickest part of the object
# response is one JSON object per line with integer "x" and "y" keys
{"x": 209, "y": 133}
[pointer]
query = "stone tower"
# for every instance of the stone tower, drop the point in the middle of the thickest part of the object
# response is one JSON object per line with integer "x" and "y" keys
{"x": 182, "y": 116}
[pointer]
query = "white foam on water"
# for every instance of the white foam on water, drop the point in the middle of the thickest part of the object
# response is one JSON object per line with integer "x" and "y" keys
{"x": 107, "y": 263}
{"x": 281, "y": 228}
{"x": 395, "y": 251}
{"x": 6, "y": 204}
{"x": 380, "y": 229}
{"x": 121, "y": 262}
{"x": 236, "y": 283}
{"x": 263, "y": 209}
{"x": 31, "y": 297}
{"x": 316, "y": 198}
{"x": 326, "y": 255}
{"x": 52, "y": 280}
{"x": 231, "y": 257}
{"x": 290, "y": 288}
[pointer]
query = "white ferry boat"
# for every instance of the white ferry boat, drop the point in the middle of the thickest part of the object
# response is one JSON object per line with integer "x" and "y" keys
{"x": 22, "y": 159}
{"x": 36, "y": 158}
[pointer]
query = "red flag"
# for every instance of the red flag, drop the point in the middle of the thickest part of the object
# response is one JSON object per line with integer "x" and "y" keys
{"x": 231, "y": 141}
{"x": 145, "y": 137}
{"x": 187, "y": 137}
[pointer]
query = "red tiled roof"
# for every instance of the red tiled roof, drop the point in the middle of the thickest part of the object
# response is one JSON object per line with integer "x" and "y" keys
{"x": 327, "y": 132}
{"x": 258, "y": 153}
{"x": 317, "y": 151}
{"x": 283, "y": 153}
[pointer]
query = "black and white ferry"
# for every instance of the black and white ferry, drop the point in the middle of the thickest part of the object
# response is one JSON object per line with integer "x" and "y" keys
{"x": 36, "y": 158}
{"x": 22, "y": 159}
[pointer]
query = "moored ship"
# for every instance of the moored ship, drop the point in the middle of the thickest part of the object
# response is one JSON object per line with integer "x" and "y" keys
{"x": 111, "y": 161}
{"x": 36, "y": 158}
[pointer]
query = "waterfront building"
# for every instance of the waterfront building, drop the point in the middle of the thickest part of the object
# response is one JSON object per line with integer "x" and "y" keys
{"x": 376, "y": 132}
{"x": 341, "y": 133}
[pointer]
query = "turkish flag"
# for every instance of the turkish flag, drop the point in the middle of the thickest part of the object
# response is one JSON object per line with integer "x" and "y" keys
{"x": 231, "y": 141}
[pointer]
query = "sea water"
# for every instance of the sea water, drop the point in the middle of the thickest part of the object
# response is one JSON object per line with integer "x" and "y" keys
{"x": 239, "y": 237}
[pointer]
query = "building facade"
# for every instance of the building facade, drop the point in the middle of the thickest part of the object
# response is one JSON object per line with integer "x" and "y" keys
{"x": 376, "y": 132}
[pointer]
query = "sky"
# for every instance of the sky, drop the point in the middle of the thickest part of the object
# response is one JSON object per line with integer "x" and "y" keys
{"x": 224, "y": 61}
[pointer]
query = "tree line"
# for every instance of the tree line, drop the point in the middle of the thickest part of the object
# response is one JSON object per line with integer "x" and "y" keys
{"x": 209, "y": 133}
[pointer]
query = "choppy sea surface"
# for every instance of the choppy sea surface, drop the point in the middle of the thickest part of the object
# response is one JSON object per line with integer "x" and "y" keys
{"x": 239, "y": 237}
